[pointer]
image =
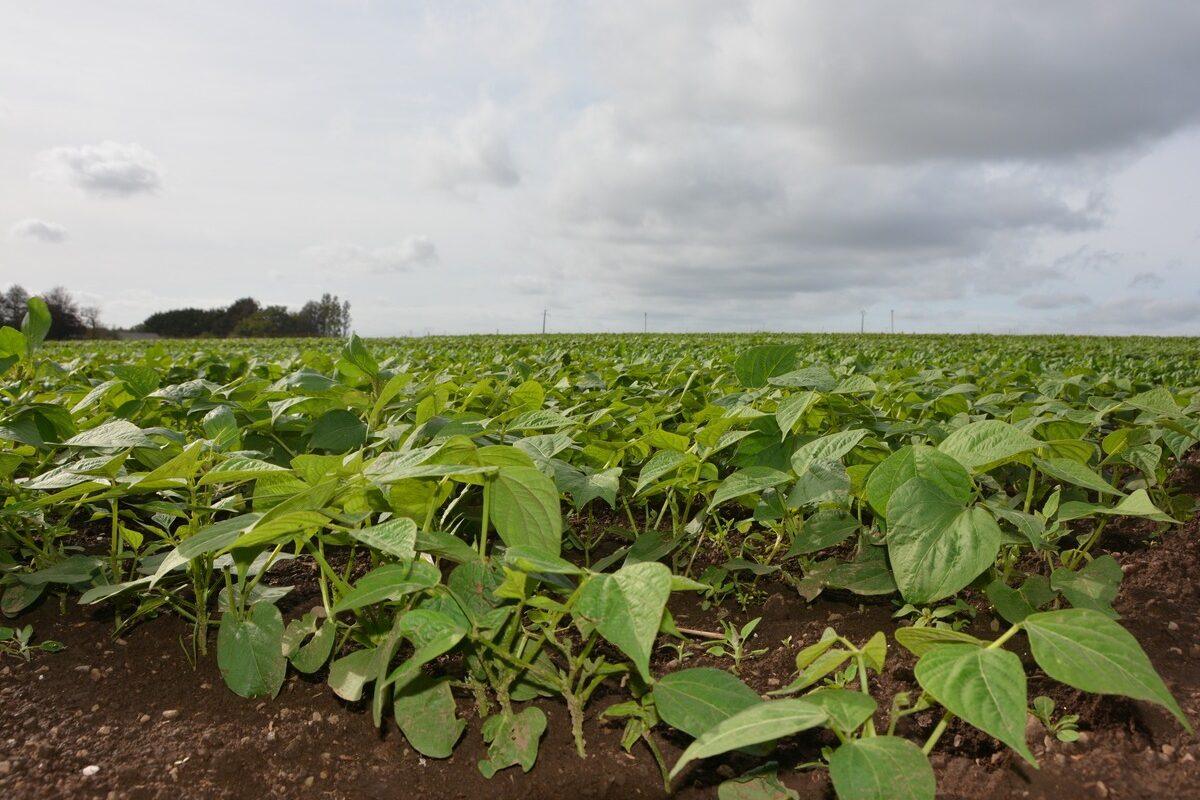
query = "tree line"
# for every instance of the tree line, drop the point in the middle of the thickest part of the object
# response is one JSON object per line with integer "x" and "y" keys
{"x": 328, "y": 316}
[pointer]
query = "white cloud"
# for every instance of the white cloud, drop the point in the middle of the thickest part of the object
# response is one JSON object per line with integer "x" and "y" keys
{"x": 39, "y": 230}
{"x": 413, "y": 251}
{"x": 475, "y": 153}
{"x": 1051, "y": 300}
{"x": 108, "y": 168}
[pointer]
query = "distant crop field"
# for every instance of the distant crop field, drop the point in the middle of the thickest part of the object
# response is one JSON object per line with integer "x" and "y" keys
{"x": 756, "y": 563}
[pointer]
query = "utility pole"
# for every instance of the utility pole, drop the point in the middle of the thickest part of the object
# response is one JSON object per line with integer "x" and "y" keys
{"x": 545, "y": 314}
{"x": 893, "y": 320}
{"x": 862, "y": 323}
{"x": 645, "y": 323}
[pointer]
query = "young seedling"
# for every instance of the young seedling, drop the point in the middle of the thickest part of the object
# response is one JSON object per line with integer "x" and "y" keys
{"x": 733, "y": 646}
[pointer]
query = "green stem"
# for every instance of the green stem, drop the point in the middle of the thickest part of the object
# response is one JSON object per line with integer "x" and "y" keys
{"x": 1004, "y": 637}
{"x": 483, "y": 521}
{"x": 1029, "y": 489}
{"x": 932, "y": 741}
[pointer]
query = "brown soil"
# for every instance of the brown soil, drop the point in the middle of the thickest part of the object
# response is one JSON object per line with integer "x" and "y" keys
{"x": 157, "y": 727}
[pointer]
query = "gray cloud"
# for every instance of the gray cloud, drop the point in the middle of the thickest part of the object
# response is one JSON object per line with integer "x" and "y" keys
{"x": 1146, "y": 280}
{"x": 108, "y": 168}
{"x": 39, "y": 231}
{"x": 413, "y": 251}
{"x": 475, "y": 153}
{"x": 1018, "y": 80}
{"x": 1142, "y": 314}
{"x": 725, "y": 212}
{"x": 1049, "y": 300}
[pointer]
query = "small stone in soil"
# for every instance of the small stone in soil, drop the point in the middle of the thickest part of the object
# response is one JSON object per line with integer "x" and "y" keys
{"x": 90, "y": 769}
{"x": 170, "y": 713}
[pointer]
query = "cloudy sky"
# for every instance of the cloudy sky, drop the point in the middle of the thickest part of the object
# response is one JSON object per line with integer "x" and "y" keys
{"x": 458, "y": 167}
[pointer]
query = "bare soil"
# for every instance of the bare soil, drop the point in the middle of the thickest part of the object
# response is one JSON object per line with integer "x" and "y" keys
{"x": 156, "y": 726}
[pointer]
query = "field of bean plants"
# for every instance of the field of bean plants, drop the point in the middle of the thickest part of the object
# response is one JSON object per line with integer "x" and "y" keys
{"x": 735, "y": 566}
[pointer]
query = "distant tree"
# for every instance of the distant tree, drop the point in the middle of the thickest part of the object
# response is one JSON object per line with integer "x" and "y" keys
{"x": 327, "y": 316}
{"x": 66, "y": 320}
{"x": 12, "y": 306}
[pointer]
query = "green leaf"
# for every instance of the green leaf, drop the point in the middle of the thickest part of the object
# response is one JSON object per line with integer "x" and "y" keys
{"x": 826, "y": 528}
{"x": 660, "y": 464}
{"x": 117, "y": 433}
{"x": 984, "y": 687}
{"x": 1064, "y": 469}
{"x": 917, "y": 461}
{"x": 826, "y": 448}
{"x": 792, "y": 408}
{"x": 986, "y": 443}
{"x": 397, "y": 537}
{"x": 532, "y": 560}
{"x": 1087, "y": 650}
{"x": 1095, "y": 586}
{"x": 525, "y": 509}
{"x": 764, "y": 722}
{"x": 751, "y": 480}
{"x": 36, "y": 323}
{"x": 846, "y": 709}
{"x": 389, "y": 582}
{"x": 426, "y": 713}
{"x": 310, "y": 656}
{"x": 760, "y": 784}
{"x": 1137, "y": 504}
{"x": 754, "y": 367}
{"x": 239, "y": 468}
{"x": 250, "y": 651}
{"x": 881, "y": 768}
{"x": 338, "y": 431}
{"x": 937, "y": 545}
{"x": 694, "y": 700}
{"x": 627, "y": 606}
{"x": 349, "y": 674}
{"x": 920, "y": 641}
{"x": 512, "y": 739}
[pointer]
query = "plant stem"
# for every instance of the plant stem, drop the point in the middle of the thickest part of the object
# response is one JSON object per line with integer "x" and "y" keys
{"x": 932, "y": 741}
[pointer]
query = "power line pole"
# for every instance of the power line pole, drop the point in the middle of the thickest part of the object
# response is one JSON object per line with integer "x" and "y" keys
{"x": 545, "y": 314}
{"x": 893, "y": 320}
{"x": 645, "y": 323}
{"x": 862, "y": 323}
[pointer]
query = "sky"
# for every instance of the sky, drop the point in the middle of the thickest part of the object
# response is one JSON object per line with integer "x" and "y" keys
{"x": 685, "y": 165}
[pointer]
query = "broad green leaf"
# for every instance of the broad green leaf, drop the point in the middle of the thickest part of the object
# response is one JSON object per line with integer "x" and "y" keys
{"x": 1064, "y": 469}
{"x": 985, "y": 687}
{"x": 427, "y": 715}
{"x": 1136, "y": 504}
{"x": 826, "y": 448}
{"x": 987, "y": 442}
{"x": 239, "y": 468}
{"x": 250, "y": 651}
{"x": 792, "y": 408}
{"x": 117, "y": 433}
{"x": 36, "y": 323}
{"x": 627, "y": 606}
{"x": 825, "y": 528}
{"x": 764, "y": 722}
{"x": 881, "y": 768}
{"x": 397, "y": 537}
{"x": 751, "y": 480}
{"x": 661, "y": 463}
{"x": 694, "y": 700}
{"x": 338, "y": 431}
{"x": 310, "y": 656}
{"x": 388, "y": 583}
{"x": 937, "y": 545}
{"x": 761, "y": 784}
{"x": 349, "y": 674}
{"x": 920, "y": 641}
{"x": 1094, "y": 586}
{"x": 525, "y": 509}
{"x": 758, "y": 364}
{"x": 1087, "y": 650}
{"x": 531, "y": 560}
{"x": 512, "y": 740}
{"x": 917, "y": 461}
{"x": 846, "y": 709}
